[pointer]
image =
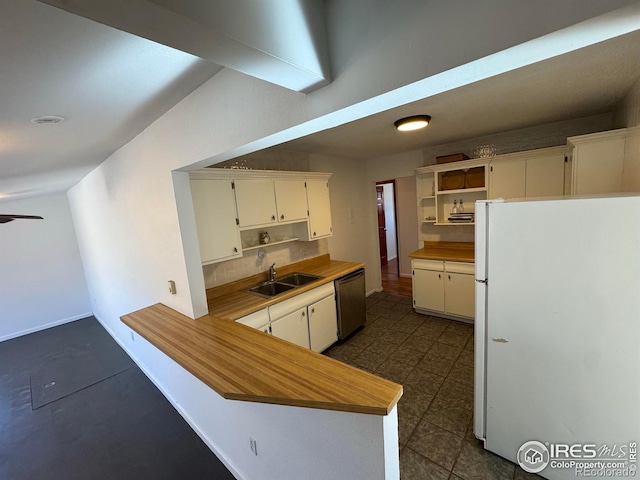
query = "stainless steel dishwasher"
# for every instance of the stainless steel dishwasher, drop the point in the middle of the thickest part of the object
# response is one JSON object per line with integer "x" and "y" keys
{"x": 351, "y": 303}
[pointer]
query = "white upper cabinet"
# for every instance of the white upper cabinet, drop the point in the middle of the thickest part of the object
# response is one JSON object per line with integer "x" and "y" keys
{"x": 319, "y": 206}
{"x": 597, "y": 162}
{"x": 214, "y": 207}
{"x": 533, "y": 173}
{"x": 256, "y": 201}
{"x": 439, "y": 186}
{"x": 291, "y": 199}
{"x": 545, "y": 174}
{"x": 507, "y": 178}
{"x": 232, "y": 208}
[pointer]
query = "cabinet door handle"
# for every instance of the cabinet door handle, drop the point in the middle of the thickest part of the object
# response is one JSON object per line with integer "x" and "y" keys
{"x": 235, "y": 249}
{"x": 314, "y": 234}
{"x": 273, "y": 218}
{"x": 281, "y": 217}
{"x": 313, "y": 310}
{"x": 439, "y": 276}
{"x": 449, "y": 277}
{"x": 304, "y": 314}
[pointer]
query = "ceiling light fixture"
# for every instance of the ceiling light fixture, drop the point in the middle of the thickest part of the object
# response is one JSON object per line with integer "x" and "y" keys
{"x": 415, "y": 122}
{"x": 47, "y": 119}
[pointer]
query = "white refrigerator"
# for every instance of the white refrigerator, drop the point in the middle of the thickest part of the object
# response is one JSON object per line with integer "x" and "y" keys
{"x": 557, "y": 332}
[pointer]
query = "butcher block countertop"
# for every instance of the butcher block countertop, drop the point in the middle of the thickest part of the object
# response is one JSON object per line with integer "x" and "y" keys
{"x": 241, "y": 363}
{"x": 232, "y": 301}
{"x": 452, "y": 251}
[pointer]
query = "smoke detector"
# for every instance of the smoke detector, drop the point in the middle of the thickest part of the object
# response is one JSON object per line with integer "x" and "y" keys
{"x": 47, "y": 119}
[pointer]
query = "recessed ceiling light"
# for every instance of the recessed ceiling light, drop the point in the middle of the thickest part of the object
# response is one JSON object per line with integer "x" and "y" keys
{"x": 47, "y": 119}
{"x": 415, "y": 122}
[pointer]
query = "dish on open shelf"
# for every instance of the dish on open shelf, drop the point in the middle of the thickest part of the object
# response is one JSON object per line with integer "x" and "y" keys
{"x": 453, "y": 180}
{"x": 474, "y": 178}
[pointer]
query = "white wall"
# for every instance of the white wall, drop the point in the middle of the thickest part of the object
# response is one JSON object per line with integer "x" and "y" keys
{"x": 407, "y": 222}
{"x": 349, "y": 211}
{"x": 41, "y": 279}
{"x": 125, "y": 211}
{"x": 390, "y": 220}
{"x": 628, "y": 112}
{"x": 292, "y": 442}
{"x": 385, "y": 168}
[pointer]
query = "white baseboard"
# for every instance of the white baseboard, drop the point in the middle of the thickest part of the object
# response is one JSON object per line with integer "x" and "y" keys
{"x": 375, "y": 290}
{"x": 405, "y": 275}
{"x": 194, "y": 426}
{"x": 45, "y": 326}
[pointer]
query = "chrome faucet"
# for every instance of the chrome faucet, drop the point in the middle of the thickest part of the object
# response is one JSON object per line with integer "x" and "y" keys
{"x": 272, "y": 273}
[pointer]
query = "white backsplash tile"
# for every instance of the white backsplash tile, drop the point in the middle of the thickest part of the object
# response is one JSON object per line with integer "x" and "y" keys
{"x": 251, "y": 264}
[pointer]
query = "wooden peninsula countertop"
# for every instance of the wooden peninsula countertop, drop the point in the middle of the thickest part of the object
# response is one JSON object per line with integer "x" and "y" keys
{"x": 241, "y": 363}
{"x": 452, "y": 251}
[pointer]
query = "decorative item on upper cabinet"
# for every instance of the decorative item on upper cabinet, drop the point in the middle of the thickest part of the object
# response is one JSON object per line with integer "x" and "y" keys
{"x": 455, "y": 157}
{"x": 264, "y": 238}
{"x": 485, "y": 151}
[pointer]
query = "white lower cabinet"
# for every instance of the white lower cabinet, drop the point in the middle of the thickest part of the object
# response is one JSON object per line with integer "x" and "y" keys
{"x": 428, "y": 285}
{"x": 444, "y": 287}
{"x": 292, "y": 327}
{"x": 459, "y": 297}
{"x": 258, "y": 320}
{"x": 323, "y": 326}
{"x": 308, "y": 319}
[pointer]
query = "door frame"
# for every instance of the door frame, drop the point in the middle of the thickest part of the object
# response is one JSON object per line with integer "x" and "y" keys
{"x": 395, "y": 219}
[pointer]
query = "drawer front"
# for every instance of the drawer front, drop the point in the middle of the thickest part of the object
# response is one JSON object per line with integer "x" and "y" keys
{"x": 460, "y": 267}
{"x": 435, "y": 265}
{"x": 307, "y": 298}
{"x": 256, "y": 320}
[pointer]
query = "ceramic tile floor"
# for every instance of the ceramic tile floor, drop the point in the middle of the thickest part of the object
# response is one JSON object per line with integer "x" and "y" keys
{"x": 433, "y": 359}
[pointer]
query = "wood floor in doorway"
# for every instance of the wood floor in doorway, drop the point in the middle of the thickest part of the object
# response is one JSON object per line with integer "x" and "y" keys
{"x": 394, "y": 284}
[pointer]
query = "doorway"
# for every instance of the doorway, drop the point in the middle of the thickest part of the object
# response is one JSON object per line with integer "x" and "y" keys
{"x": 387, "y": 224}
{"x": 393, "y": 281}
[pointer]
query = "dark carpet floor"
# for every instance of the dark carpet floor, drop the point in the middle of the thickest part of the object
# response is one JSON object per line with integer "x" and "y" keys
{"x": 108, "y": 421}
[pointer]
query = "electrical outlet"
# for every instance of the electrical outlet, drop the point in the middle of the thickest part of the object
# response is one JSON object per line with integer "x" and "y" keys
{"x": 172, "y": 287}
{"x": 254, "y": 445}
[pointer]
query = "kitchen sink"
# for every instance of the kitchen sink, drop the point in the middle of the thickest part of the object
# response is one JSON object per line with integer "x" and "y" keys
{"x": 298, "y": 279}
{"x": 270, "y": 289}
{"x": 284, "y": 284}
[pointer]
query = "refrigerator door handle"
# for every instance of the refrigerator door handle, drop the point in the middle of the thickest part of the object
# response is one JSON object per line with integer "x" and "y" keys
{"x": 485, "y": 281}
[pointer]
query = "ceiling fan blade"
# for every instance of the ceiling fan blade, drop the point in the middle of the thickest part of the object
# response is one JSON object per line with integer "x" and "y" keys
{"x": 6, "y": 218}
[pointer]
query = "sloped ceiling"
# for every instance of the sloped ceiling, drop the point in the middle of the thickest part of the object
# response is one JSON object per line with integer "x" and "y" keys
{"x": 109, "y": 85}
{"x": 113, "y": 67}
{"x": 282, "y": 42}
